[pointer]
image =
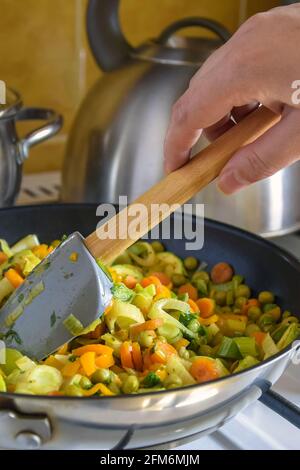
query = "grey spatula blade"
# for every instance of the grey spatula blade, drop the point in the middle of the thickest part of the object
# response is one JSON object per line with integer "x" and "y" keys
{"x": 32, "y": 319}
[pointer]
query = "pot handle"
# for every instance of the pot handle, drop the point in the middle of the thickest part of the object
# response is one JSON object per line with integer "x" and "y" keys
{"x": 52, "y": 126}
{"x": 206, "y": 23}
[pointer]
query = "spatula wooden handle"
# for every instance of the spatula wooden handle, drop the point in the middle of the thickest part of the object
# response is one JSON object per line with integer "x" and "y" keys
{"x": 181, "y": 185}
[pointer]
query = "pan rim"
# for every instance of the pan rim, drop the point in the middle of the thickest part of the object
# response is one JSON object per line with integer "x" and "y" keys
{"x": 288, "y": 257}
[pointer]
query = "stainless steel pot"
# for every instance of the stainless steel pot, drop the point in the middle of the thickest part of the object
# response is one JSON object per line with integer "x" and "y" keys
{"x": 13, "y": 150}
{"x": 152, "y": 419}
{"x": 116, "y": 143}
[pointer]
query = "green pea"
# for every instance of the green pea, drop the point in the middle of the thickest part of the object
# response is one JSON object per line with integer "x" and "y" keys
{"x": 101, "y": 376}
{"x": 190, "y": 263}
{"x": 73, "y": 391}
{"x": 85, "y": 383}
{"x": 240, "y": 302}
{"x": 157, "y": 246}
{"x": 237, "y": 311}
{"x": 194, "y": 326}
{"x": 252, "y": 328}
{"x": 254, "y": 313}
{"x": 178, "y": 280}
{"x": 220, "y": 298}
{"x": 201, "y": 275}
{"x": 226, "y": 309}
{"x": 276, "y": 313}
{"x": 230, "y": 298}
{"x": 131, "y": 384}
{"x": 114, "y": 388}
{"x": 206, "y": 350}
{"x": 266, "y": 297}
{"x": 267, "y": 307}
{"x": 243, "y": 291}
{"x": 145, "y": 339}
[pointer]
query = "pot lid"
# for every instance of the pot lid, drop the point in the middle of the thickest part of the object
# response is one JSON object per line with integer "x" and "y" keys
{"x": 12, "y": 103}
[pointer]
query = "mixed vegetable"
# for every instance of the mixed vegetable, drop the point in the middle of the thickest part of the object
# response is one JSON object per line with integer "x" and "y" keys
{"x": 171, "y": 323}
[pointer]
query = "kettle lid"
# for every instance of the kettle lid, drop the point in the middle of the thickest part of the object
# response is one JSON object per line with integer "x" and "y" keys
{"x": 10, "y": 103}
{"x": 177, "y": 50}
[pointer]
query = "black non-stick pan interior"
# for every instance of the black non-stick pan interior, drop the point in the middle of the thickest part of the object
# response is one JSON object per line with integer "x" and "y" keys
{"x": 264, "y": 265}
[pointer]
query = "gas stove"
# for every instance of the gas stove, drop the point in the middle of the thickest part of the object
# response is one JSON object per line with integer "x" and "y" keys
{"x": 273, "y": 422}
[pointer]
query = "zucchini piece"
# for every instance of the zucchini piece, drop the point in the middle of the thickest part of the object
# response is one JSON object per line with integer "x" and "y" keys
{"x": 175, "y": 366}
{"x": 128, "y": 270}
{"x": 171, "y": 264}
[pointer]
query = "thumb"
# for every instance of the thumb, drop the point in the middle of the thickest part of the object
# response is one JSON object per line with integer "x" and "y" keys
{"x": 274, "y": 150}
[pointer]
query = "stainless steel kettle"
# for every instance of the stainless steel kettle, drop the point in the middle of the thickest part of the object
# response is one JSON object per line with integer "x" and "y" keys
{"x": 116, "y": 143}
{"x": 14, "y": 150}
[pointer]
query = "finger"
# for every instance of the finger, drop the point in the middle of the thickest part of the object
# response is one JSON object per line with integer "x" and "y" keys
{"x": 200, "y": 107}
{"x": 237, "y": 114}
{"x": 274, "y": 150}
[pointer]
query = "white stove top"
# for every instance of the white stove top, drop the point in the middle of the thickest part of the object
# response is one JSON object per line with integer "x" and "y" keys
{"x": 256, "y": 428}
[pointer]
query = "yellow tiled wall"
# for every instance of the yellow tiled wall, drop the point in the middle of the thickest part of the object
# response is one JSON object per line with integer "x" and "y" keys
{"x": 44, "y": 52}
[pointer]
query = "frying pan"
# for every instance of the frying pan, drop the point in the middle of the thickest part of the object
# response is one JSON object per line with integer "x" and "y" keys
{"x": 146, "y": 420}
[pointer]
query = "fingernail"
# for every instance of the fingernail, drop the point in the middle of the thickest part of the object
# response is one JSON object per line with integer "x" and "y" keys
{"x": 229, "y": 182}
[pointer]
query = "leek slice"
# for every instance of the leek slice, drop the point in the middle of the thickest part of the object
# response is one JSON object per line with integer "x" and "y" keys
{"x": 269, "y": 347}
{"x": 11, "y": 357}
{"x": 123, "y": 315}
{"x": 128, "y": 270}
{"x": 175, "y": 366}
{"x": 142, "y": 248}
{"x": 171, "y": 264}
{"x": 26, "y": 243}
{"x": 245, "y": 363}
{"x": 158, "y": 311}
{"x": 5, "y": 248}
{"x": 40, "y": 380}
{"x": 289, "y": 336}
{"x": 73, "y": 325}
{"x": 26, "y": 260}
{"x": 2, "y": 384}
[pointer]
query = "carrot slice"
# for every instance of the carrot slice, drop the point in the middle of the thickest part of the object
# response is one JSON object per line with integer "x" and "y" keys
{"x": 63, "y": 349}
{"x": 70, "y": 368}
{"x": 203, "y": 370}
{"x": 105, "y": 361}
{"x": 166, "y": 348}
{"x": 87, "y": 360}
{"x": 194, "y": 306}
{"x": 53, "y": 362}
{"x": 221, "y": 272}
{"x": 147, "y": 281}
{"x": 259, "y": 337}
{"x": 96, "y": 348}
{"x": 14, "y": 277}
{"x": 158, "y": 357}
{"x": 190, "y": 290}
{"x": 206, "y": 307}
{"x": 125, "y": 354}
{"x": 130, "y": 282}
{"x": 137, "y": 356}
{"x": 3, "y": 257}
{"x": 147, "y": 325}
{"x": 249, "y": 304}
{"x": 164, "y": 279}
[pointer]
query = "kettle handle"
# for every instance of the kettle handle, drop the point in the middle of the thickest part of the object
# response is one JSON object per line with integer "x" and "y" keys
{"x": 206, "y": 23}
{"x": 108, "y": 43}
{"x": 105, "y": 36}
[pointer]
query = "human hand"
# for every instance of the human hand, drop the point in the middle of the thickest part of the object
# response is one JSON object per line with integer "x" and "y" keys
{"x": 258, "y": 64}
